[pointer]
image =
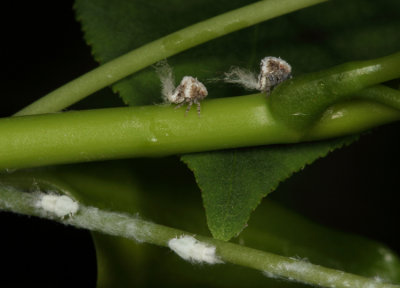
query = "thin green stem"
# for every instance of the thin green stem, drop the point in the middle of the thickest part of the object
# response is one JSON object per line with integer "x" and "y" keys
{"x": 82, "y": 136}
{"x": 162, "y": 48}
{"x": 381, "y": 94}
{"x": 130, "y": 227}
{"x": 333, "y": 122}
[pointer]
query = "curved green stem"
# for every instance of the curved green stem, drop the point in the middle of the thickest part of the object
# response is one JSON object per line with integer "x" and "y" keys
{"x": 162, "y": 130}
{"x": 130, "y": 227}
{"x": 350, "y": 117}
{"x": 381, "y": 94}
{"x": 160, "y": 49}
{"x": 300, "y": 101}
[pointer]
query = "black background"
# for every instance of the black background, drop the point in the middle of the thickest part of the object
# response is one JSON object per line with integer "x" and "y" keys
{"x": 354, "y": 189}
{"x": 41, "y": 48}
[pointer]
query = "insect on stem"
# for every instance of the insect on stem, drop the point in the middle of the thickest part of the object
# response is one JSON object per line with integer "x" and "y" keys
{"x": 190, "y": 90}
{"x": 273, "y": 70}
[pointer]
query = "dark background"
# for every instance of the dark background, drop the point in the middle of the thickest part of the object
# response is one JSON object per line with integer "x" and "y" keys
{"x": 354, "y": 189}
{"x": 42, "y": 48}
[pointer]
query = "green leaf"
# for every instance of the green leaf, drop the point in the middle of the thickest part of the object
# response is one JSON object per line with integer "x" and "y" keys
{"x": 233, "y": 182}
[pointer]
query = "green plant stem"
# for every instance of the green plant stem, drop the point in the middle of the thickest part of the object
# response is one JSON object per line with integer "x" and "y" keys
{"x": 82, "y": 136}
{"x": 124, "y": 225}
{"x": 162, "y": 48}
{"x": 336, "y": 118}
{"x": 381, "y": 94}
{"x": 299, "y": 102}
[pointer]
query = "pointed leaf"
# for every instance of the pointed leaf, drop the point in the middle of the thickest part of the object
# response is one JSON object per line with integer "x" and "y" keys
{"x": 233, "y": 182}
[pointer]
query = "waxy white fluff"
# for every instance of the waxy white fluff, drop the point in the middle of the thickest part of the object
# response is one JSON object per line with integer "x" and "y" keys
{"x": 192, "y": 250}
{"x": 167, "y": 80}
{"x": 242, "y": 77}
{"x": 59, "y": 205}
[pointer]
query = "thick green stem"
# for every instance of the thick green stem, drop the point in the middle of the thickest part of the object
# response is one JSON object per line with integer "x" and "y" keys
{"x": 160, "y": 49}
{"x": 144, "y": 231}
{"x": 162, "y": 130}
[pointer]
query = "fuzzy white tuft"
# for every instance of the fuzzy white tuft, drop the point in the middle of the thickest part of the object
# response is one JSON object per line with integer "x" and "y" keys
{"x": 294, "y": 271}
{"x": 60, "y": 205}
{"x": 242, "y": 77}
{"x": 192, "y": 250}
{"x": 273, "y": 71}
{"x": 167, "y": 79}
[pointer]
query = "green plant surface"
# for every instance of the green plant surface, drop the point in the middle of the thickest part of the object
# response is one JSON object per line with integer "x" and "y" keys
{"x": 310, "y": 40}
{"x": 156, "y": 131}
{"x": 82, "y": 136}
{"x": 157, "y": 50}
{"x": 300, "y": 102}
{"x": 235, "y": 181}
{"x": 112, "y": 31}
{"x": 124, "y": 186}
